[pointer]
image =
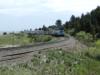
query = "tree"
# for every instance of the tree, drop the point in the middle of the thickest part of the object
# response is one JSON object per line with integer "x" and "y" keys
{"x": 77, "y": 24}
{"x": 58, "y": 23}
{"x": 4, "y": 33}
{"x": 44, "y": 28}
{"x": 40, "y": 28}
{"x": 72, "y": 21}
{"x": 89, "y": 22}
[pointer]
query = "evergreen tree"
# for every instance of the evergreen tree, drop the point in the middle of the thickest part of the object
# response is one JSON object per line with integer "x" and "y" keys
{"x": 89, "y": 22}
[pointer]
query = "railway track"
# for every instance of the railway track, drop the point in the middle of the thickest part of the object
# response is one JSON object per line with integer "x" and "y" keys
{"x": 29, "y": 46}
{"x": 24, "y": 53}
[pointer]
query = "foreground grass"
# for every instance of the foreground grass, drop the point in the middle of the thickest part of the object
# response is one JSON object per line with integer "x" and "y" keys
{"x": 56, "y": 62}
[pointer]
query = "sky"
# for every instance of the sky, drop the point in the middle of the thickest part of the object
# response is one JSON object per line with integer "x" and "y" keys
{"x": 17, "y": 15}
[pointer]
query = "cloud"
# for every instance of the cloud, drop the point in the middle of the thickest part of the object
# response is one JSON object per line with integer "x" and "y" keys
{"x": 28, "y": 7}
{"x": 17, "y": 11}
{"x": 72, "y": 5}
{"x": 21, "y": 7}
{"x": 16, "y": 15}
{"x": 17, "y": 3}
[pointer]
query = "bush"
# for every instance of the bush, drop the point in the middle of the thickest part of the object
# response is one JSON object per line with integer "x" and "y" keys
{"x": 71, "y": 31}
{"x": 42, "y": 38}
{"x": 47, "y": 38}
{"x": 93, "y": 52}
{"x": 84, "y": 37}
{"x": 5, "y": 33}
{"x": 97, "y": 43}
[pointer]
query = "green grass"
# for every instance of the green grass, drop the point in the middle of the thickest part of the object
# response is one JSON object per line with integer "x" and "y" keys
{"x": 53, "y": 62}
{"x": 42, "y": 38}
{"x": 56, "y": 62}
{"x": 12, "y": 39}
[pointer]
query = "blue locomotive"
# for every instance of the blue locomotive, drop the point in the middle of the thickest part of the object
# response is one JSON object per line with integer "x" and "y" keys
{"x": 58, "y": 33}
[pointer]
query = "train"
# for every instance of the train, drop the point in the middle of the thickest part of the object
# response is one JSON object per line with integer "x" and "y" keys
{"x": 49, "y": 32}
{"x": 58, "y": 33}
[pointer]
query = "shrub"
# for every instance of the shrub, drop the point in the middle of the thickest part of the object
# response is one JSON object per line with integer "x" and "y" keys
{"x": 93, "y": 52}
{"x": 47, "y": 38}
{"x": 84, "y": 37}
{"x": 42, "y": 38}
{"x": 97, "y": 43}
{"x": 71, "y": 31}
{"x": 5, "y": 33}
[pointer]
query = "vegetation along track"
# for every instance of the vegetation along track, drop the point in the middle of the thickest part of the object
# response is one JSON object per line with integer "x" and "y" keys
{"x": 23, "y": 54}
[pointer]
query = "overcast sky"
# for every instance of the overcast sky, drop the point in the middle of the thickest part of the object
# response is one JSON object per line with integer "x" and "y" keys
{"x": 16, "y": 15}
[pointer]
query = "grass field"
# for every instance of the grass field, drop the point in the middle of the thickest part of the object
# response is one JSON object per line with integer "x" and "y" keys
{"x": 22, "y": 39}
{"x": 56, "y": 62}
{"x": 13, "y": 40}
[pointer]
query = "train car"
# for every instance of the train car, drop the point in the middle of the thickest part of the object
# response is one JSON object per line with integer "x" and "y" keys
{"x": 58, "y": 33}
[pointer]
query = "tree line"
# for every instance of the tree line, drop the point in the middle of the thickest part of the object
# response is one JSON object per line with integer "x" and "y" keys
{"x": 58, "y": 25}
{"x": 89, "y": 23}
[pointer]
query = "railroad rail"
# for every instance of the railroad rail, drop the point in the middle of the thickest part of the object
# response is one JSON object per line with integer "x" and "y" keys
{"x": 24, "y": 52}
{"x": 31, "y": 45}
